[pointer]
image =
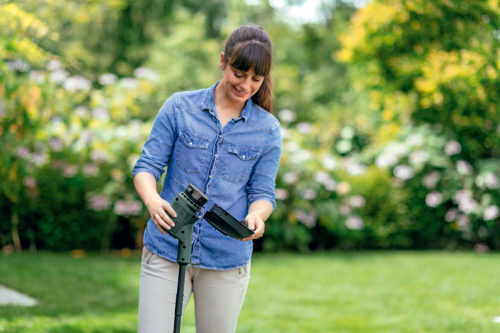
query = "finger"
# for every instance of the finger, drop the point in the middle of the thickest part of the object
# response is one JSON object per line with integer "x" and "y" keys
{"x": 250, "y": 222}
{"x": 162, "y": 223}
{"x": 159, "y": 228}
{"x": 260, "y": 226}
{"x": 166, "y": 206}
{"x": 166, "y": 218}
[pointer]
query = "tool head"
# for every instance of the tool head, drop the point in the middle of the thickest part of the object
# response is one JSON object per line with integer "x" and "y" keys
{"x": 227, "y": 224}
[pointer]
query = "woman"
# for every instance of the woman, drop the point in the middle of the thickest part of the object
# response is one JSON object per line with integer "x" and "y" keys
{"x": 226, "y": 142}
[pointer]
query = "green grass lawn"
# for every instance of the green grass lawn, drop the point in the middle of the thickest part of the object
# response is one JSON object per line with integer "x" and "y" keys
{"x": 329, "y": 292}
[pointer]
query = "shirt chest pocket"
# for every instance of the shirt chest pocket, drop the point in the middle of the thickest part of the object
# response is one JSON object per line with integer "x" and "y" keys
{"x": 239, "y": 163}
{"x": 191, "y": 152}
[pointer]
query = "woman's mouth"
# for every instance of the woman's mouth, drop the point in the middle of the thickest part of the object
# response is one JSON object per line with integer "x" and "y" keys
{"x": 239, "y": 93}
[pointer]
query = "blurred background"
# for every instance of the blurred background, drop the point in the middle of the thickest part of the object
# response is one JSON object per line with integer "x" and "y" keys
{"x": 389, "y": 113}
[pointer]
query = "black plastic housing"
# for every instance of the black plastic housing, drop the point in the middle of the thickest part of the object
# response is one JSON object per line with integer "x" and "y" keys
{"x": 226, "y": 223}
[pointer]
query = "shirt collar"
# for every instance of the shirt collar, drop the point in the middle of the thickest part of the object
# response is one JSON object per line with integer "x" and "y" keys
{"x": 208, "y": 103}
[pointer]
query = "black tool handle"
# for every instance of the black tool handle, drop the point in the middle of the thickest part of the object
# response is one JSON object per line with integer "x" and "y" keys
{"x": 179, "y": 298}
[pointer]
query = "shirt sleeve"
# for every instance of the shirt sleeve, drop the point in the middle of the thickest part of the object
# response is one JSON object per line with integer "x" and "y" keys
{"x": 158, "y": 148}
{"x": 262, "y": 182}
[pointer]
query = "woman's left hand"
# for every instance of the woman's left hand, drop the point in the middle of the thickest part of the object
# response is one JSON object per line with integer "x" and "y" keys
{"x": 255, "y": 223}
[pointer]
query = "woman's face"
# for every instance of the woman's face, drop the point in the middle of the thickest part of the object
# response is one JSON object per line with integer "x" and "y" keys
{"x": 239, "y": 86}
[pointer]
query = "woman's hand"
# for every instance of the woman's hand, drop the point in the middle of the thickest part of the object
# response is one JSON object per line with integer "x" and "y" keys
{"x": 255, "y": 223}
{"x": 157, "y": 208}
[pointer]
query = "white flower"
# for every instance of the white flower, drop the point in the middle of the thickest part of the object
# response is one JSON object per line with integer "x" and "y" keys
{"x": 356, "y": 169}
{"x": 330, "y": 163}
{"x": 54, "y": 65}
{"x": 285, "y": 132}
{"x": 430, "y": 180}
{"x": 463, "y": 222}
{"x": 126, "y": 208}
{"x": 343, "y": 146}
{"x": 354, "y": 222}
{"x": 101, "y": 114}
{"x": 37, "y": 76}
{"x": 69, "y": 170}
{"x": 357, "y": 201}
{"x": 308, "y": 194}
{"x": 468, "y": 205}
{"x": 404, "y": 172}
{"x": 452, "y": 148}
{"x": 129, "y": 83}
{"x": 490, "y": 213}
{"x": 321, "y": 176}
{"x": 58, "y": 76}
{"x": 307, "y": 219}
{"x": 23, "y": 152}
{"x": 56, "y": 144}
{"x": 106, "y": 79}
{"x": 18, "y": 65}
{"x": 331, "y": 185}
{"x": 82, "y": 111}
{"x": 304, "y": 127}
{"x": 290, "y": 177}
{"x": 386, "y": 159}
{"x": 90, "y": 169}
{"x": 301, "y": 156}
{"x": 39, "y": 159}
{"x": 287, "y": 115}
{"x": 433, "y": 199}
{"x": 29, "y": 181}
{"x": 462, "y": 195}
{"x": 399, "y": 149}
{"x": 98, "y": 155}
{"x": 419, "y": 157}
{"x": 281, "y": 194}
{"x": 99, "y": 203}
{"x": 77, "y": 82}
{"x": 146, "y": 73}
{"x": 292, "y": 147}
{"x": 481, "y": 247}
{"x": 451, "y": 215}
{"x": 464, "y": 168}
{"x": 489, "y": 180}
{"x": 414, "y": 140}
{"x": 347, "y": 133}
{"x": 345, "y": 210}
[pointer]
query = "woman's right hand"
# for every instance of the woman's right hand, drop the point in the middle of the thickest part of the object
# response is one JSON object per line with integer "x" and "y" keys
{"x": 157, "y": 208}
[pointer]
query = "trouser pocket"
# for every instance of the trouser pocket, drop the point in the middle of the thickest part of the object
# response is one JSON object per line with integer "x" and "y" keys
{"x": 146, "y": 255}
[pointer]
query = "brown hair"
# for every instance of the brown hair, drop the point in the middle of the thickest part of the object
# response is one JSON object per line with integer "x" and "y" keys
{"x": 249, "y": 46}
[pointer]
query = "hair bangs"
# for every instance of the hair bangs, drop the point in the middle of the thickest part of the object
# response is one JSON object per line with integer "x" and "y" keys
{"x": 250, "y": 54}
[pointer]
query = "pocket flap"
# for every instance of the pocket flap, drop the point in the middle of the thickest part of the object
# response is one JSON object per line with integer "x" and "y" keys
{"x": 245, "y": 153}
{"x": 193, "y": 141}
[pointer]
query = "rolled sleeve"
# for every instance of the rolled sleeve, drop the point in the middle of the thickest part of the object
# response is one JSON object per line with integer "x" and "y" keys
{"x": 158, "y": 148}
{"x": 262, "y": 182}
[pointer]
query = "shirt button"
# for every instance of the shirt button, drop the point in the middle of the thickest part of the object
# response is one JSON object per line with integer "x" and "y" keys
{"x": 215, "y": 155}
{"x": 220, "y": 136}
{"x": 210, "y": 176}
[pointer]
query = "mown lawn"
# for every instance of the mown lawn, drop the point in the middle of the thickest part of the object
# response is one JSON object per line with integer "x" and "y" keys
{"x": 329, "y": 292}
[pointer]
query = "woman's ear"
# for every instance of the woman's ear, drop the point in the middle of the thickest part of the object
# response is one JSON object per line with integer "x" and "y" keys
{"x": 222, "y": 63}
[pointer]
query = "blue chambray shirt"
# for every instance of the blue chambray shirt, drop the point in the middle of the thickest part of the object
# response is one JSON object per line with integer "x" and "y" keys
{"x": 234, "y": 166}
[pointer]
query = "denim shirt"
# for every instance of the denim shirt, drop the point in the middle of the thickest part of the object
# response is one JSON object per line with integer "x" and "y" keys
{"x": 234, "y": 166}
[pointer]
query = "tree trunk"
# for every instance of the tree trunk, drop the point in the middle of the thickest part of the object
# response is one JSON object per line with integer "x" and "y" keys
{"x": 15, "y": 233}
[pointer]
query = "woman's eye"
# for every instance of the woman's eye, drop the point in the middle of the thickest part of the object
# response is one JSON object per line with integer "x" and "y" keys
{"x": 237, "y": 75}
{"x": 257, "y": 80}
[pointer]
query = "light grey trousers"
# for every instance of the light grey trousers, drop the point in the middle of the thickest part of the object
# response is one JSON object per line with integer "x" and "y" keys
{"x": 218, "y": 295}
